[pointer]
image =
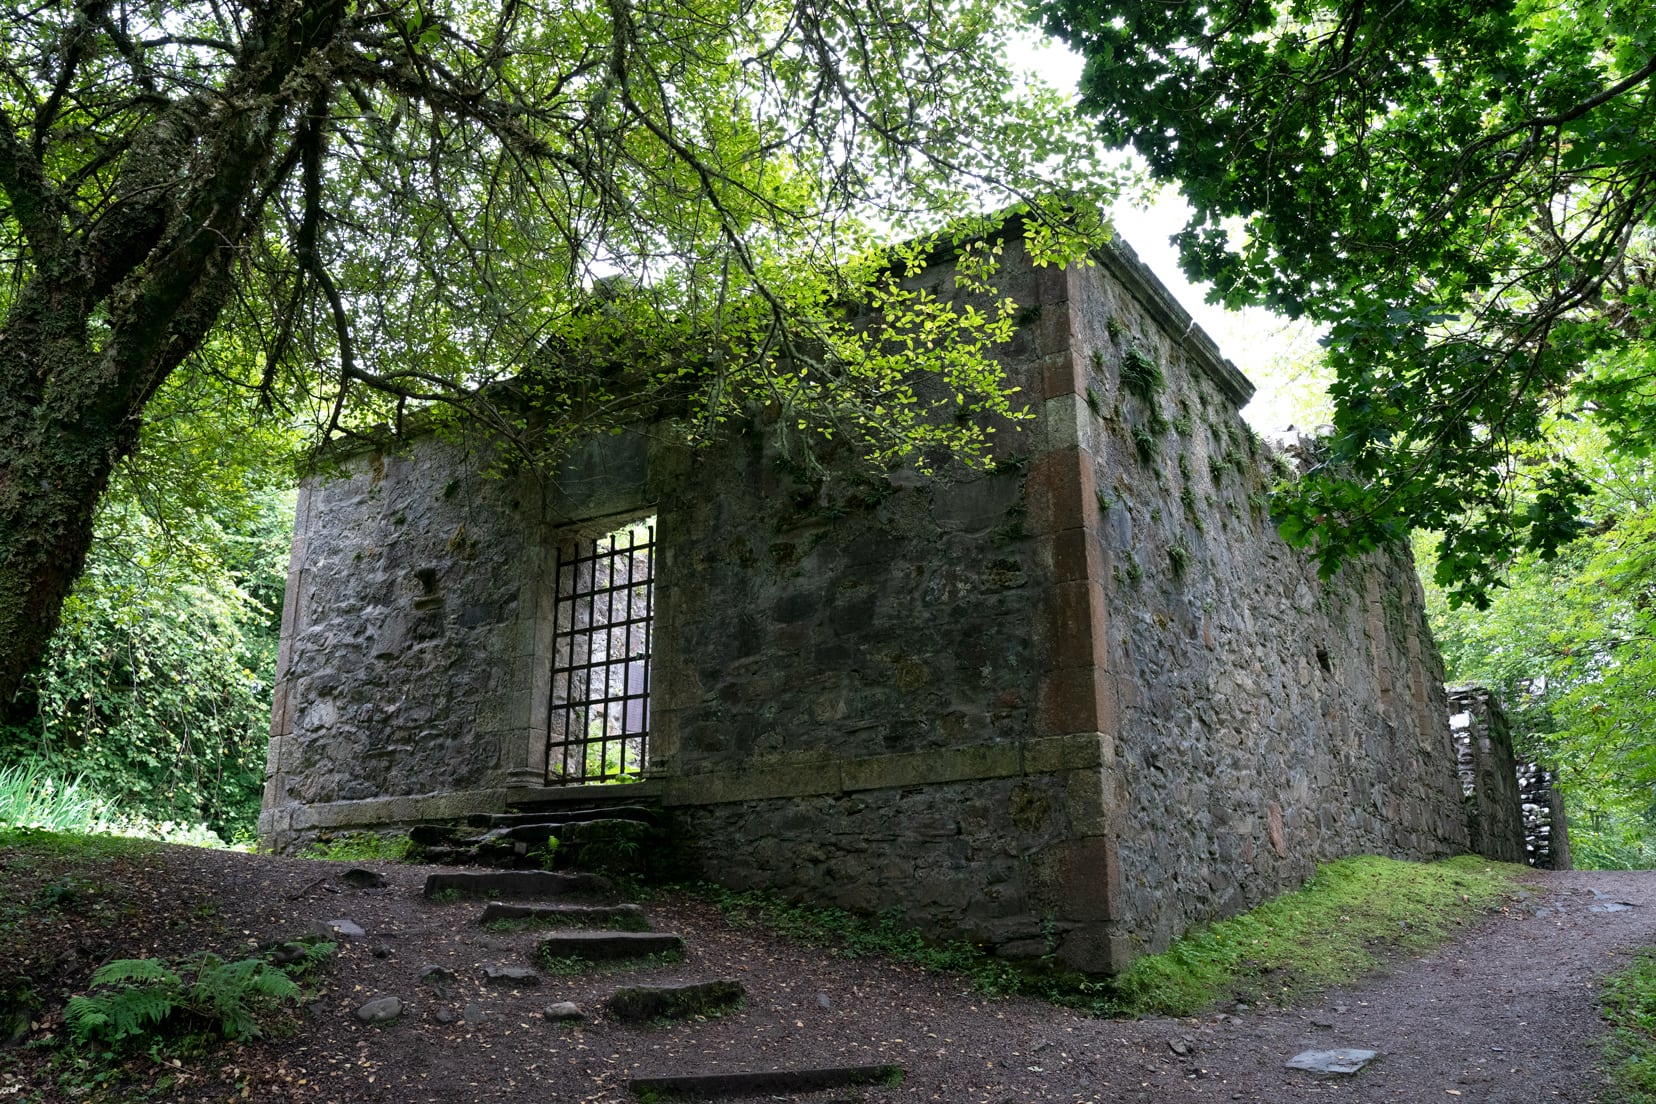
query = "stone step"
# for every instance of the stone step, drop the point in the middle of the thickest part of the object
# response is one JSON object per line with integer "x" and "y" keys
{"x": 756, "y": 1082}
{"x": 624, "y": 917}
{"x": 606, "y": 842}
{"x": 567, "y": 816}
{"x": 607, "y": 945}
{"x": 681, "y": 1001}
{"x": 537, "y": 884}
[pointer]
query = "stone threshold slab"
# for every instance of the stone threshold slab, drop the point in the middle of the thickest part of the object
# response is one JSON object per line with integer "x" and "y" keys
{"x": 755, "y": 1082}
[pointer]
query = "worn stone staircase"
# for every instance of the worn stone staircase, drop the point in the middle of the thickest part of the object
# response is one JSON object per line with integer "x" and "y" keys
{"x": 586, "y": 924}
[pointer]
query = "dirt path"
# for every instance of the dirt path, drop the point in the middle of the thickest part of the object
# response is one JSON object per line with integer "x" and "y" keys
{"x": 1506, "y": 1015}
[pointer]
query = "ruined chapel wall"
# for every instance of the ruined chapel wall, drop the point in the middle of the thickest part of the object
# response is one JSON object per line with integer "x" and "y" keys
{"x": 853, "y": 673}
{"x": 415, "y": 597}
{"x": 1267, "y": 720}
{"x": 1489, "y": 774}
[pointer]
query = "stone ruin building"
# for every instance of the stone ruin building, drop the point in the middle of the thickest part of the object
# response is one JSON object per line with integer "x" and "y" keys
{"x": 1515, "y": 812}
{"x": 1071, "y": 706}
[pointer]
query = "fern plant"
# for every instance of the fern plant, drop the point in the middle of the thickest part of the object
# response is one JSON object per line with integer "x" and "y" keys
{"x": 145, "y": 996}
{"x": 1140, "y": 374}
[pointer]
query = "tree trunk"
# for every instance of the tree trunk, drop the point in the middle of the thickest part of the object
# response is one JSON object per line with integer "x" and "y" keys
{"x": 154, "y": 269}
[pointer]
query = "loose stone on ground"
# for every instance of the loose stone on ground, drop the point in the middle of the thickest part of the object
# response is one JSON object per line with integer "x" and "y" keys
{"x": 1343, "y": 1060}
{"x": 380, "y": 1010}
{"x": 511, "y": 975}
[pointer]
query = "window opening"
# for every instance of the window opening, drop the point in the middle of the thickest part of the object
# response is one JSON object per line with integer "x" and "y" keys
{"x": 600, "y": 715}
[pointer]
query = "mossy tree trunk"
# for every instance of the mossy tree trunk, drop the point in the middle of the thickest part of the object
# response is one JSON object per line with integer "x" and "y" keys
{"x": 122, "y": 288}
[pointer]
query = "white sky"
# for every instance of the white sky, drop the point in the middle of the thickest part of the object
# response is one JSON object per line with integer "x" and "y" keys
{"x": 1262, "y": 344}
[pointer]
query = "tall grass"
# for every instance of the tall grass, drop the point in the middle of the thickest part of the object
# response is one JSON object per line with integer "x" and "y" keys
{"x": 32, "y": 798}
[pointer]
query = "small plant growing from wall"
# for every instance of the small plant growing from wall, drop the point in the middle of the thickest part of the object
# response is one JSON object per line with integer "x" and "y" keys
{"x": 1178, "y": 559}
{"x": 1140, "y": 374}
{"x": 1144, "y": 441}
{"x": 1114, "y": 326}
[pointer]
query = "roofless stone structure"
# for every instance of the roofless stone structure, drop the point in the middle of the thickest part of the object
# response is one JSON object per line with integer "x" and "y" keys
{"x": 1071, "y": 706}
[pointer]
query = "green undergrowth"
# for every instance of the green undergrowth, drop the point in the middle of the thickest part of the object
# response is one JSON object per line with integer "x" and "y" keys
{"x": 1353, "y": 918}
{"x": 1630, "y": 1009}
{"x": 360, "y": 847}
{"x": 570, "y": 966}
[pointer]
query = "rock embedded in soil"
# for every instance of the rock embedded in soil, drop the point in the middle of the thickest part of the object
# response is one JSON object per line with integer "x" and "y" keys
{"x": 1343, "y": 1060}
{"x": 380, "y": 1010}
{"x": 446, "y": 1015}
{"x": 610, "y": 945}
{"x": 338, "y": 929}
{"x": 563, "y": 1012}
{"x": 438, "y": 977}
{"x": 473, "y": 1013}
{"x": 626, "y": 916}
{"x": 634, "y": 1003}
{"x": 515, "y": 883}
{"x": 511, "y": 975}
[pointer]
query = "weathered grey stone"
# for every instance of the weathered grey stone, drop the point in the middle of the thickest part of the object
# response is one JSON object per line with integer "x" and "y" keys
{"x": 1071, "y": 707}
{"x": 445, "y": 1015}
{"x": 629, "y": 917}
{"x": 610, "y": 945}
{"x": 519, "y": 976}
{"x": 634, "y": 1003}
{"x": 1341, "y": 1061}
{"x": 438, "y": 977}
{"x": 563, "y": 1012}
{"x": 337, "y": 929}
{"x": 379, "y": 1010}
{"x": 515, "y": 883}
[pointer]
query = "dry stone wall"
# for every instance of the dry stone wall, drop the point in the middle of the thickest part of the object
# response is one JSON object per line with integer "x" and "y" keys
{"x": 1489, "y": 774}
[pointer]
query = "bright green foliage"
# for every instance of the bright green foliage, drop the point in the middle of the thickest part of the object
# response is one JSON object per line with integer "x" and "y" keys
{"x": 360, "y": 847}
{"x": 156, "y": 686}
{"x": 1347, "y": 921}
{"x": 1569, "y": 646}
{"x": 144, "y": 996}
{"x": 1630, "y": 1008}
{"x": 552, "y": 219}
{"x": 1465, "y": 193}
{"x": 30, "y": 798}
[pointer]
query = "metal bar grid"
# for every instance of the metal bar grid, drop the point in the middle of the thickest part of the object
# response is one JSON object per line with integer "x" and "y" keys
{"x": 605, "y": 608}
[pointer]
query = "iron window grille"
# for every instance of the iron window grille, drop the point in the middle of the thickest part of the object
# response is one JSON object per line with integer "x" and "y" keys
{"x": 600, "y": 715}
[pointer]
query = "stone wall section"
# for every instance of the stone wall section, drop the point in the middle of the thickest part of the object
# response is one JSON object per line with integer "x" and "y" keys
{"x": 1070, "y": 706}
{"x": 417, "y": 604}
{"x": 1267, "y": 719}
{"x": 1489, "y": 774}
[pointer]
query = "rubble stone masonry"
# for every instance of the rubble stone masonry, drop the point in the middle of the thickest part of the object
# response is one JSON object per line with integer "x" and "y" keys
{"x": 1073, "y": 705}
